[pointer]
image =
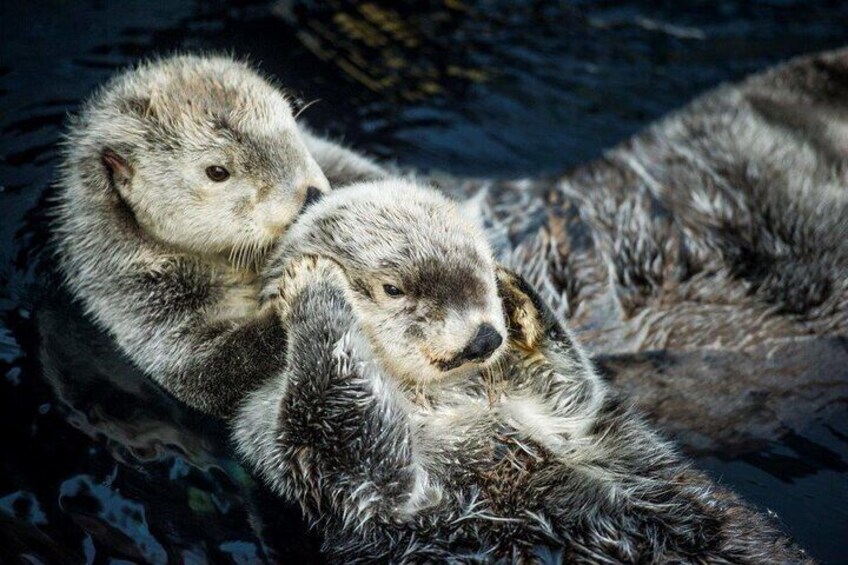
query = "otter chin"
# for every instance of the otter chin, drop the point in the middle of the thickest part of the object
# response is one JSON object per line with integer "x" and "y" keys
{"x": 480, "y": 349}
{"x": 421, "y": 276}
{"x": 475, "y": 356}
{"x": 480, "y": 352}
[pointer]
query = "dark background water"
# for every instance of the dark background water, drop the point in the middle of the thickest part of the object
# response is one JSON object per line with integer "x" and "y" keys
{"x": 98, "y": 464}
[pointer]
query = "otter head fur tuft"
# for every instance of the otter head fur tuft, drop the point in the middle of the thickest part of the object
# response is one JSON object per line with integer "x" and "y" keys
{"x": 202, "y": 154}
{"x": 421, "y": 276}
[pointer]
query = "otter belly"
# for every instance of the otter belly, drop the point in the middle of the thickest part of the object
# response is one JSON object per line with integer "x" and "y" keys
{"x": 485, "y": 449}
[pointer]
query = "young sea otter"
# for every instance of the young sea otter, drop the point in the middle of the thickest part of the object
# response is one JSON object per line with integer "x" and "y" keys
{"x": 177, "y": 177}
{"x": 403, "y": 446}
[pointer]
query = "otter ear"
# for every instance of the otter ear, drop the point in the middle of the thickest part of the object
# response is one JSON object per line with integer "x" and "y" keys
{"x": 118, "y": 168}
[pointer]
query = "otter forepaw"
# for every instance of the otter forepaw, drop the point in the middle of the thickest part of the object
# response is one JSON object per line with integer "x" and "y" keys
{"x": 524, "y": 320}
{"x": 306, "y": 271}
{"x": 301, "y": 274}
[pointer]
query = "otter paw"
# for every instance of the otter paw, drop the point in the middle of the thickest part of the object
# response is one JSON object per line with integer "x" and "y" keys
{"x": 303, "y": 273}
{"x": 523, "y": 318}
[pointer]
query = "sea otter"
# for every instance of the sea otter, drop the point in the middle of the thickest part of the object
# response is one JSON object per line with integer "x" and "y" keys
{"x": 515, "y": 451}
{"x": 177, "y": 176}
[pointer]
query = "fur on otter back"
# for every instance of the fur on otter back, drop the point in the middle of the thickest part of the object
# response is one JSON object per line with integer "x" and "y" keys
{"x": 533, "y": 458}
{"x": 704, "y": 262}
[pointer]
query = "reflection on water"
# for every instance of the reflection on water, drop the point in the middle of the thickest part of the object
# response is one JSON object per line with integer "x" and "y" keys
{"x": 98, "y": 462}
{"x": 136, "y": 475}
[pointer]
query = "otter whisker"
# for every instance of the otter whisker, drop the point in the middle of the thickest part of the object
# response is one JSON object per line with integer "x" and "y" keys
{"x": 241, "y": 254}
{"x": 232, "y": 255}
{"x": 262, "y": 253}
{"x": 244, "y": 259}
{"x": 237, "y": 258}
{"x": 305, "y": 106}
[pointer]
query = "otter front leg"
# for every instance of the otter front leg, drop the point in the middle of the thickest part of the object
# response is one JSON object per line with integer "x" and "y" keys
{"x": 550, "y": 365}
{"x": 166, "y": 314}
{"x": 328, "y": 432}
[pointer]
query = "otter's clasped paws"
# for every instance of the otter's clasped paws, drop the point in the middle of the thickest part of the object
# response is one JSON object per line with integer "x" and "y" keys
{"x": 524, "y": 320}
{"x": 299, "y": 275}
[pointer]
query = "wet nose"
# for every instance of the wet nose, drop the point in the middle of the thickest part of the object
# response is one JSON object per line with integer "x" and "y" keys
{"x": 485, "y": 341}
{"x": 313, "y": 195}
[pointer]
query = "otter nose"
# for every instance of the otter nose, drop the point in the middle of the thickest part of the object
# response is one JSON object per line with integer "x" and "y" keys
{"x": 485, "y": 341}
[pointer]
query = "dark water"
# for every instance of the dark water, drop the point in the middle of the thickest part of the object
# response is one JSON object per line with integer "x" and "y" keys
{"x": 98, "y": 464}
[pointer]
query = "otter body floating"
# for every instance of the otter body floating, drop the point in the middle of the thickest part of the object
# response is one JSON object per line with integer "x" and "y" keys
{"x": 176, "y": 178}
{"x": 522, "y": 453}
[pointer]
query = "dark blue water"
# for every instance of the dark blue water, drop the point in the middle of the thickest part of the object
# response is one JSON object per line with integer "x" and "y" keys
{"x": 98, "y": 464}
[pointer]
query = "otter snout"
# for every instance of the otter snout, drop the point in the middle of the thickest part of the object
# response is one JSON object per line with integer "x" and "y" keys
{"x": 485, "y": 342}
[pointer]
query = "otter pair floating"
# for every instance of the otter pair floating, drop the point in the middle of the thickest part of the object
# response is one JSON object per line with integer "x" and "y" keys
{"x": 178, "y": 178}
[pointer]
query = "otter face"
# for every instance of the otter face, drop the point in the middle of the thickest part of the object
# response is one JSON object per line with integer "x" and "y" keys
{"x": 422, "y": 278}
{"x": 430, "y": 317}
{"x": 206, "y": 153}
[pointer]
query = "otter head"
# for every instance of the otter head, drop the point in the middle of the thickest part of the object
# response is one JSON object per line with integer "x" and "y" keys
{"x": 422, "y": 277}
{"x": 204, "y": 152}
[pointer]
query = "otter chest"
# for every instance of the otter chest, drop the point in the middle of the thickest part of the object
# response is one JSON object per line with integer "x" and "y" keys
{"x": 238, "y": 298}
{"x": 485, "y": 447}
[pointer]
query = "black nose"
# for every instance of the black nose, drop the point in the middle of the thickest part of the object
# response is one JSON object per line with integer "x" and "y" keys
{"x": 484, "y": 342}
{"x": 313, "y": 195}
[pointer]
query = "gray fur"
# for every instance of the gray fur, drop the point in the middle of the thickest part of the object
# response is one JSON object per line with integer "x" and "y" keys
{"x": 724, "y": 223}
{"x": 531, "y": 457}
{"x": 161, "y": 256}
{"x": 720, "y": 228}
{"x": 714, "y": 243}
{"x": 445, "y": 272}
{"x": 341, "y": 165}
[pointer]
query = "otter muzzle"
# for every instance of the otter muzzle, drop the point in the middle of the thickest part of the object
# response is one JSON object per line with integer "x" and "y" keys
{"x": 485, "y": 342}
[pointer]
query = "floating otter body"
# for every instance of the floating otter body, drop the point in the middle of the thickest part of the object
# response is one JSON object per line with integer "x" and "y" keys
{"x": 611, "y": 245}
{"x": 176, "y": 178}
{"x": 693, "y": 249}
{"x": 704, "y": 262}
{"x": 519, "y": 453}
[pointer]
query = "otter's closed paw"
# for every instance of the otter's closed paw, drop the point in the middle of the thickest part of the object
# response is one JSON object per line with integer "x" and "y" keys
{"x": 299, "y": 275}
{"x": 528, "y": 318}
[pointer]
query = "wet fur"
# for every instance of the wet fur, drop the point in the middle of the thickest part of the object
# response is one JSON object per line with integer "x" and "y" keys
{"x": 651, "y": 247}
{"x": 186, "y": 313}
{"x": 705, "y": 256}
{"x": 724, "y": 224}
{"x": 533, "y": 459}
{"x": 695, "y": 239}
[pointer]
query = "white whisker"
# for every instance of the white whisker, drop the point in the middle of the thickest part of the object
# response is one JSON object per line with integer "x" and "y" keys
{"x": 305, "y": 106}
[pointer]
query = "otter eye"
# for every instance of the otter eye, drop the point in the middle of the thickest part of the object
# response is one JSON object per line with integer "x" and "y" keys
{"x": 217, "y": 173}
{"x": 392, "y": 291}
